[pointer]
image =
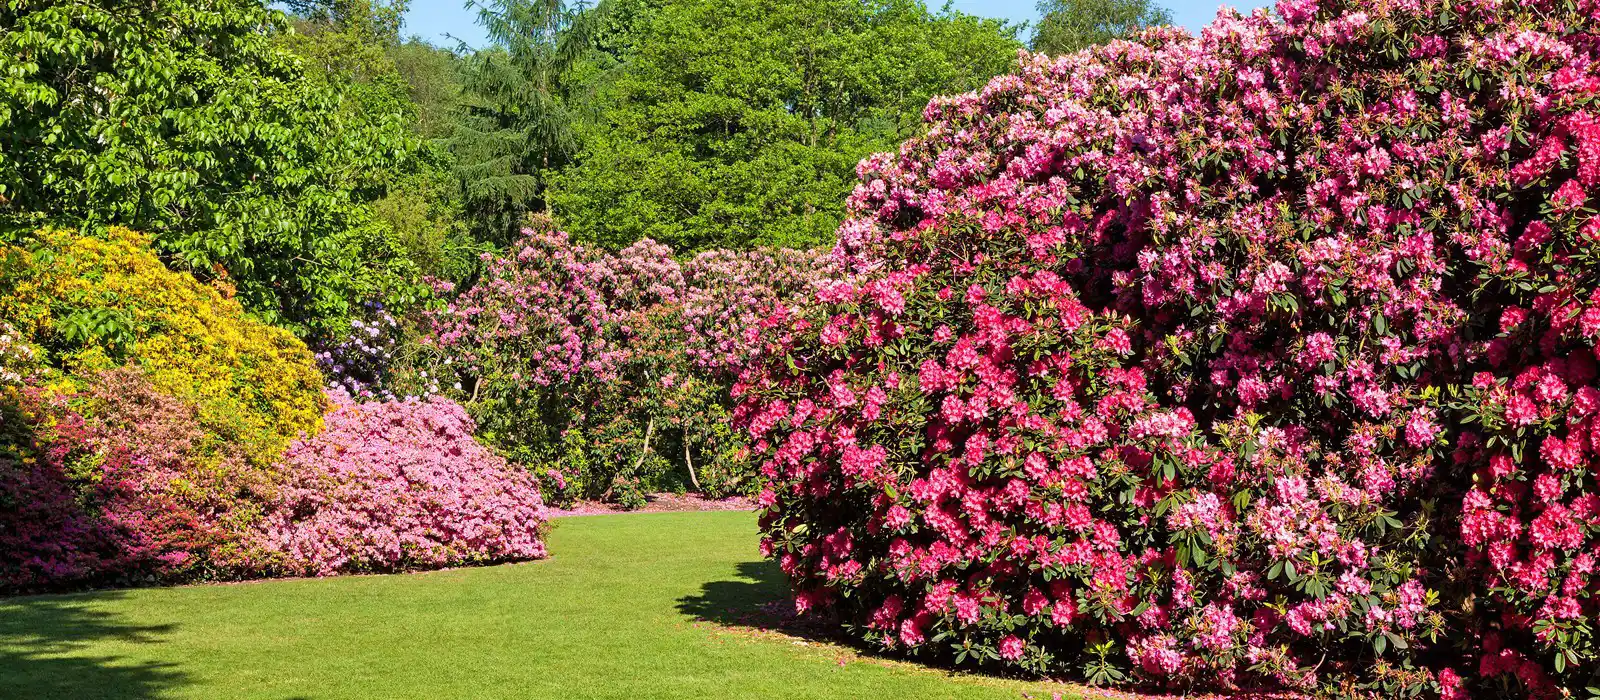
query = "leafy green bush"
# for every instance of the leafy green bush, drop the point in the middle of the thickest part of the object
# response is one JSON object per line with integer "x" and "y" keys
{"x": 185, "y": 119}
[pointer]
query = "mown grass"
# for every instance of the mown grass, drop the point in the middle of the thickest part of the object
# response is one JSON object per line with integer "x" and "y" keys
{"x": 630, "y": 606}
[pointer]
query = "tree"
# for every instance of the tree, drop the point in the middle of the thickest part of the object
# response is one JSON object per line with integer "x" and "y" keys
{"x": 740, "y": 122}
{"x": 186, "y": 119}
{"x": 433, "y": 82}
{"x": 354, "y": 46}
{"x": 1070, "y": 25}
{"x": 516, "y": 125}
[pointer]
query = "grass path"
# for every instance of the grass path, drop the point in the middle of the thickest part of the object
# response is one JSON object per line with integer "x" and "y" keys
{"x": 626, "y": 608}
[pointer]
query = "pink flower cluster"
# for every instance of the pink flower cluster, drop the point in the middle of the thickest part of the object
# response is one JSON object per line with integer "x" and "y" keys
{"x": 122, "y": 485}
{"x": 576, "y": 358}
{"x": 553, "y": 313}
{"x": 729, "y": 293}
{"x": 397, "y": 485}
{"x": 1260, "y": 358}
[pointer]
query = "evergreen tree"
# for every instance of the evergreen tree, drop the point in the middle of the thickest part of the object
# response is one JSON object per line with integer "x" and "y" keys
{"x": 516, "y": 122}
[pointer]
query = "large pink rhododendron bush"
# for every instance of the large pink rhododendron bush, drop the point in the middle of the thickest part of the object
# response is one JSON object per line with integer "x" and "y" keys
{"x": 1265, "y": 358}
{"x": 399, "y": 485}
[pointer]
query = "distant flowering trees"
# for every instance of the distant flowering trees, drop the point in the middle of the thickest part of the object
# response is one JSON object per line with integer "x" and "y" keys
{"x": 1266, "y": 357}
{"x": 608, "y": 371}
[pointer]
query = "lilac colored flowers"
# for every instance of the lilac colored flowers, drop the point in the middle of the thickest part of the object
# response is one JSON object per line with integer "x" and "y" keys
{"x": 400, "y": 485}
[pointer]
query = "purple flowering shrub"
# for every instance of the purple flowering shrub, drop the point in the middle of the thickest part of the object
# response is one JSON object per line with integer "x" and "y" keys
{"x": 365, "y": 361}
{"x": 396, "y": 485}
{"x": 608, "y": 372}
{"x": 1264, "y": 358}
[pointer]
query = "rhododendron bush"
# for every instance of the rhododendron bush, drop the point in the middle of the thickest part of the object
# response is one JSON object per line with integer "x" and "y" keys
{"x": 1259, "y": 358}
{"x": 608, "y": 372}
{"x": 122, "y": 484}
{"x": 399, "y": 485}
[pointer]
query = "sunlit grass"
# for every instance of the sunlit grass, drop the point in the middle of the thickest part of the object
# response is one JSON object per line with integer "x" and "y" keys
{"x": 630, "y": 606}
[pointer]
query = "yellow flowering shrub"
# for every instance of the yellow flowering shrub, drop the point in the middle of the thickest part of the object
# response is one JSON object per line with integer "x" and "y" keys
{"x": 98, "y": 302}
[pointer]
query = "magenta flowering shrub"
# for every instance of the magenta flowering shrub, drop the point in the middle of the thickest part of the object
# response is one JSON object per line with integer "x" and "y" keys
{"x": 551, "y": 313}
{"x": 1259, "y": 358}
{"x": 122, "y": 484}
{"x": 728, "y": 293}
{"x": 397, "y": 485}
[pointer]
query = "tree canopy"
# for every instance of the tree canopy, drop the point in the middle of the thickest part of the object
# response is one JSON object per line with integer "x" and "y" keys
{"x": 1070, "y": 25}
{"x": 739, "y": 123}
{"x": 188, "y": 120}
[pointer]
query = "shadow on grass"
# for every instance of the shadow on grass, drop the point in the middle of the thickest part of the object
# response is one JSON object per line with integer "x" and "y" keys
{"x": 40, "y": 642}
{"x": 758, "y": 600}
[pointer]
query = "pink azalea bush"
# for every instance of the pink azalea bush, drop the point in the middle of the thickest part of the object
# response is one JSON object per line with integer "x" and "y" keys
{"x": 545, "y": 350}
{"x": 1260, "y": 358}
{"x": 397, "y": 485}
{"x": 122, "y": 484}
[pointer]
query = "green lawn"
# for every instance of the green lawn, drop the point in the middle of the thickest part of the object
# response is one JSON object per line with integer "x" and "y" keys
{"x": 629, "y": 606}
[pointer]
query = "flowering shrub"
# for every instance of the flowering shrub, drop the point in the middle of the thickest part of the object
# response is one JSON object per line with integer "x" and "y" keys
{"x": 573, "y": 359}
{"x": 94, "y": 303}
{"x": 19, "y": 361}
{"x": 400, "y": 485}
{"x": 729, "y": 292}
{"x": 120, "y": 484}
{"x": 1265, "y": 357}
{"x": 364, "y": 362}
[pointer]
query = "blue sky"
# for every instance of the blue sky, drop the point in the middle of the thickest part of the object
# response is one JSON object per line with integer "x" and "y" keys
{"x": 436, "y": 20}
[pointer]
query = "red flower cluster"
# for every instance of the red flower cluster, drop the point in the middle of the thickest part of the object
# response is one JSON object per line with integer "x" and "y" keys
{"x": 121, "y": 485}
{"x": 1259, "y": 358}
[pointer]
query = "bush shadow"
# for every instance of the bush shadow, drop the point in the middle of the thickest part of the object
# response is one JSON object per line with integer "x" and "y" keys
{"x": 757, "y": 599}
{"x": 41, "y": 640}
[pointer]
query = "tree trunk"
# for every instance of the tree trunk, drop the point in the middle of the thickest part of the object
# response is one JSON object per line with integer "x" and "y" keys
{"x": 648, "y": 429}
{"x": 689, "y": 462}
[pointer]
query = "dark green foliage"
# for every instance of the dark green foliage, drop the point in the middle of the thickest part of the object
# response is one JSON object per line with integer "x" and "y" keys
{"x": 515, "y": 125}
{"x": 739, "y": 123}
{"x": 1069, "y": 25}
{"x": 187, "y": 119}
